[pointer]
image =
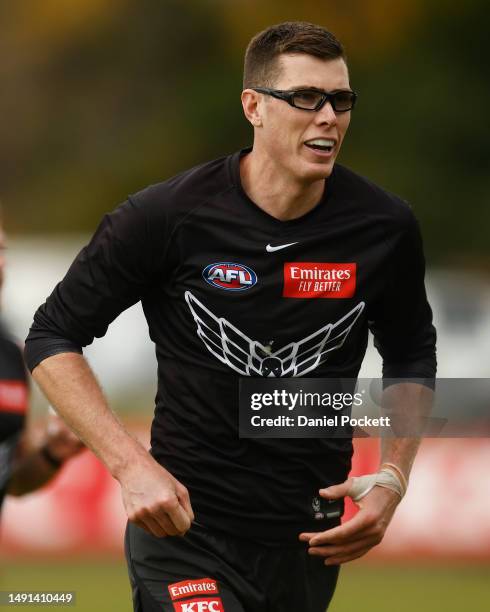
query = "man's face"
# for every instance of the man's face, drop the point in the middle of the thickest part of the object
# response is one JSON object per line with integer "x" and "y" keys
{"x": 285, "y": 130}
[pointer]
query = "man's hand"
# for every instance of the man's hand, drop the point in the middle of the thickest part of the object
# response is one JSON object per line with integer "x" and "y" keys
{"x": 357, "y": 536}
{"x": 38, "y": 459}
{"x": 60, "y": 441}
{"x": 155, "y": 500}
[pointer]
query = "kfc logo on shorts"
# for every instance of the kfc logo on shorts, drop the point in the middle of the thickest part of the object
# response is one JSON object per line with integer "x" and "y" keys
{"x": 229, "y": 276}
{"x": 206, "y": 604}
{"x": 319, "y": 280}
{"x": 187, "y": 588}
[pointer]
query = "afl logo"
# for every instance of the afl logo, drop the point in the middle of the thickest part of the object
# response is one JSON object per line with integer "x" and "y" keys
{"x": 229, "y": 276}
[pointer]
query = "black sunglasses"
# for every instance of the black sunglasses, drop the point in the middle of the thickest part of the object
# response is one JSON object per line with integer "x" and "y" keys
{"x": 312, "y": 99}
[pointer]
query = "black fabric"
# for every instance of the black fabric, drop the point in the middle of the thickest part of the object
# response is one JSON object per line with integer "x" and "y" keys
{"x": 12, "y": 421}
{"x": 156, "y": 246}
{"x": 251, "y": 576}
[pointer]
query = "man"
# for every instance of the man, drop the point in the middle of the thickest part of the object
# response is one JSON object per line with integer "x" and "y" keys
{"x": 25, "y": 464}
{"x": 214, "y": 255}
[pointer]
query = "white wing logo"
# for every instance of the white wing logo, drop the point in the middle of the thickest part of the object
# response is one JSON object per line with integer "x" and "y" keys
{"x": 251, "y": 358}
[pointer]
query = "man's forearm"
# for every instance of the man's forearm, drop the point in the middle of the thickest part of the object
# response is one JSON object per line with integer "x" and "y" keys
{"x": 71, "y": 387}
{"x": 30, "y": 474}
{"x": 408, "y": 405}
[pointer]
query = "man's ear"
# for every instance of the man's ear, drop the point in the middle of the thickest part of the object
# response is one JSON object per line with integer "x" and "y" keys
{"x": 250, "y": 103}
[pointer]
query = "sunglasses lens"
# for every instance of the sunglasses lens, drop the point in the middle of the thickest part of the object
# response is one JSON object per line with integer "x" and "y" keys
{"x": 307, "y": 99}
{"x": 343, "y": 100}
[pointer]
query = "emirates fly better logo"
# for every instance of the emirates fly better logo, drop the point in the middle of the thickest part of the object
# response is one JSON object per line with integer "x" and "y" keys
{"x": 319, "y": 280}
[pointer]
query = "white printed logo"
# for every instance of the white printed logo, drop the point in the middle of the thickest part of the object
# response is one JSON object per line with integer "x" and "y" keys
{"x": 251, "y": 358}
{"x": 271, "y": 249}
{"x": 208, "y": 605}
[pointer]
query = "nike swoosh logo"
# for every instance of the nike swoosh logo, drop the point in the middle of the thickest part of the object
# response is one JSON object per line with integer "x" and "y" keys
{"x": 271, "y": 249}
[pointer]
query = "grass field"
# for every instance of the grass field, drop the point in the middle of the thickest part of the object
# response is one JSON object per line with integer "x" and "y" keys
{"x": 103, "y": 586}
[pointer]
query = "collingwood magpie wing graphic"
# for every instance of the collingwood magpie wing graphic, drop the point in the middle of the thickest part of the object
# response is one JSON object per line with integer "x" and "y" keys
{"x": 251, "y": 358}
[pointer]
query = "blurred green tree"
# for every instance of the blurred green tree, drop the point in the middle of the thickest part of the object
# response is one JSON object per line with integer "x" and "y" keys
{"x": 104, "y": 97}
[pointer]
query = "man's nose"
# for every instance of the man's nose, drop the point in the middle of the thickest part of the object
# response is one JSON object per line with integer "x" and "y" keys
{"x": 326, "y": 114}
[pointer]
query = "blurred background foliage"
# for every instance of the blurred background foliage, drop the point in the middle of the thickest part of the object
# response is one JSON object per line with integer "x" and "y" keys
{"x": 102, "y": 97}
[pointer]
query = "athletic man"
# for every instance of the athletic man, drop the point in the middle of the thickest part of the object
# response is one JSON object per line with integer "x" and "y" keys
{"x": 25, "y": 465}
{"x": 220, "y": 257}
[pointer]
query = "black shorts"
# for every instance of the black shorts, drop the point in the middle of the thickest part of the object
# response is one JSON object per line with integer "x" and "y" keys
{"x": 210, "y": 571}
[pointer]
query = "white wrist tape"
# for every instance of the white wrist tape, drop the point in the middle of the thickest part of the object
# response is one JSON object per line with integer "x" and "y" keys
{"x": 389, "y": 476}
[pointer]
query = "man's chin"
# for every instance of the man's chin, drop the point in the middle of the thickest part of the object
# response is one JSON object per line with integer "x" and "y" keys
{"x": 317, "y": 172}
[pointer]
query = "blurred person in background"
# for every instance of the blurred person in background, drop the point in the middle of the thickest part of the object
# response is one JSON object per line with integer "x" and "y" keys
{"x": 26, "y": 462}
{"x": 218, "y": 256}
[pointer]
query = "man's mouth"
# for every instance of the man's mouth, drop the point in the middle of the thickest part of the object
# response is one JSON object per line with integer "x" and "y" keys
{"x": 325, "y": 145}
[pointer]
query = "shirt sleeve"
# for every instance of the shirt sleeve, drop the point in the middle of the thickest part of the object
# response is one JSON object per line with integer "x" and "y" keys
{"x": 14, "y": 396}
{"x": 109, "y": 275}
{"x": 14, "y": 389}
{"x": 401, "y": 320}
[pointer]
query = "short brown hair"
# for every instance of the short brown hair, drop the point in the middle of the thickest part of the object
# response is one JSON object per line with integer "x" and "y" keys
{"x": 261, "y": 68}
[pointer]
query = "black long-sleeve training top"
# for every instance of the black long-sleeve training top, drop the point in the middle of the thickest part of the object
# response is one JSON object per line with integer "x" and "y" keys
{"x": 229, "y": 291}
{"x": 13, "y": 404}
